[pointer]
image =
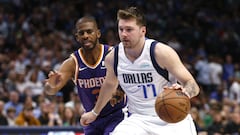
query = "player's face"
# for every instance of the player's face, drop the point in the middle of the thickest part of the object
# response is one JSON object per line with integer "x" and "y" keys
{"x": 87, "y": 35}
{"x": 130, "y": 33}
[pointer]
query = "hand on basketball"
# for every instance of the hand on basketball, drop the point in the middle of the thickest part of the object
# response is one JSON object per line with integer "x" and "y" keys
{"x": 177, "y": 86}
{"x": 87, "y": 118}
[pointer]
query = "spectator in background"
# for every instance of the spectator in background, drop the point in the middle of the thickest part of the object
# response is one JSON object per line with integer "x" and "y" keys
{"x": 215, "y": 71}
{"x": 14, "y": 102}
{"x": 3, "y": 119}
{"x": 202, "y": 73}
{"x": 228, "y": 70}
{"x": 200, "y": 127}
{"x": 11, "y": 81}
{"x": 21, "y": 62}
{"x": 54, "y": 117}
{"x": 26, "y": 118}
{"x": 217, "y": 126}
{"x": 28, "y": 101}
{"x": 73, "y": 99}
{"x": 175, "y": 44}
{"x": 60, "y": 109}
{"x": 44, "y": 117}
{"x": 111, "y": 37}
{"x": 21, "y": 83}
{"x": 46, "y": 67}
{"x": 3, "y": 25}
{"x": 11, "y": 117}
{"x": 237, "y": 71}
{"x": 234, "y": 90}
{"x": 68, "y": 117}
{"x": 35, "y": 84}
{"x": 59, "y": 97}
{"x": 233, "y": 126}
{"x": 78, "y": 111}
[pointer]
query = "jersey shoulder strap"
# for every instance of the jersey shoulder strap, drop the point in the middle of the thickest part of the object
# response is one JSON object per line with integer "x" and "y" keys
{"x": 161, "y": 71}
{"x": 116, "y": 48}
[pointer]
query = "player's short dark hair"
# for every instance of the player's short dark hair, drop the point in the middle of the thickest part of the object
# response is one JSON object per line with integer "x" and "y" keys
{"x": 132, "y": 13}
{"x": 87, "y": 18}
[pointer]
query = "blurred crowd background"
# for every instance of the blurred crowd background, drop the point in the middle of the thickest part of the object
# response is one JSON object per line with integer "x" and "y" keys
{"x": 37, "y": 35}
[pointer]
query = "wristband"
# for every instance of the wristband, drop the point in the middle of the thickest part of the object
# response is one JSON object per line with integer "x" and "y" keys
{"x": 94, "y": 113}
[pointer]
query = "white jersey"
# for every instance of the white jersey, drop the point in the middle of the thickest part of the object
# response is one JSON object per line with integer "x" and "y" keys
{"x": 142, "y": 80}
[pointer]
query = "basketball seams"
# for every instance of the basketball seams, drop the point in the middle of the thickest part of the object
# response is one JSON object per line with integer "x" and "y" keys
{"x": 166, "y": 94}
{"x": 172, "y": 107}
{"x": 166, "y": 110}
{"x": 166, "y": 104}
{"x": 177, "y": 108}
{"x": 163, "y": 107}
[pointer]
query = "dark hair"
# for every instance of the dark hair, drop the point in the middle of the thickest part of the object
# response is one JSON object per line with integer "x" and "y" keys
{"x": 85, "y": 19}
{"x": 132, "y": 13}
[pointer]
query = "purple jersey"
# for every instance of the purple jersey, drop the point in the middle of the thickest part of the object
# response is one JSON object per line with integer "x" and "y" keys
{"x": 89, "y": 79}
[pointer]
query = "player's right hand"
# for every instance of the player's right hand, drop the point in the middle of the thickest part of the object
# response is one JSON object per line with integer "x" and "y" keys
{"x": 54, "y": 79}
{"x": 53, "y": 83}
{"x": 177, "y": 86}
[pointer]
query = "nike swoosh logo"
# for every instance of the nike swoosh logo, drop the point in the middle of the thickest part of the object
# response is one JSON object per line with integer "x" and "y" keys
{"x": 103, "y": 67}
{"x": 81, "y": 69}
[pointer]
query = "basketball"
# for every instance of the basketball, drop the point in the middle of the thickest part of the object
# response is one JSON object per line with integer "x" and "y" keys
{"x": 172, "y": 106}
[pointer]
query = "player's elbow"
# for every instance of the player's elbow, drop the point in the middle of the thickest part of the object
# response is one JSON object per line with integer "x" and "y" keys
{"x": 196, "y": 90}
{"x": 49, "y": 92}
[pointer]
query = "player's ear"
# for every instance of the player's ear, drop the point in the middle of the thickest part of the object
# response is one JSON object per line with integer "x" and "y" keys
{"x": 98, "y": 33}
{"x": 75, "y": 34}
{"x": 144, "y": 29}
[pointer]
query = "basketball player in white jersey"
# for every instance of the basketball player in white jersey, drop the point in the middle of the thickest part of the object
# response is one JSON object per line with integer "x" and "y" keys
{"x": 143, "y": 67}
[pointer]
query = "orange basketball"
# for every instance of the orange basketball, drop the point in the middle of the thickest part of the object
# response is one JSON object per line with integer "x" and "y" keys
{"x": 172, "y": 106}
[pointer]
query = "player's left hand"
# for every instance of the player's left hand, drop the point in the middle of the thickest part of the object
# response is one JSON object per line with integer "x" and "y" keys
{"x": 87, "y": 118}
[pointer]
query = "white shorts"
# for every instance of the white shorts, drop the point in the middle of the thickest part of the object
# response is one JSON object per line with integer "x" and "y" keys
{"x": 147, "y": 125}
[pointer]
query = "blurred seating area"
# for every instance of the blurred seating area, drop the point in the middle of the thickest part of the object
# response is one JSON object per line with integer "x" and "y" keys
{"x": 37, "y": 35}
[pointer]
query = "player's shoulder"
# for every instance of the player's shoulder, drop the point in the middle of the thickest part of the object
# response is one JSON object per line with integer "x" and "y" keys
{"x": 158, "y": 45}
{"x": 163, "y": 47}
{"x": 111, "y": 54}
{"x": 70, "y": 61}
{"x": 163, "y": 51}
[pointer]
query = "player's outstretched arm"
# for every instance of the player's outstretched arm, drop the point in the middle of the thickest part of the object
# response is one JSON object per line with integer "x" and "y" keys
{"x": 168, "y": 59}
{"x": 107, "y": 89}
{"x": 57, "y": 79}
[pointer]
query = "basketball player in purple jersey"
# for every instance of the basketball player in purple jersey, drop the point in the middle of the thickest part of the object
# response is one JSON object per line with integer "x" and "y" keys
{"x": 87, "y": 69}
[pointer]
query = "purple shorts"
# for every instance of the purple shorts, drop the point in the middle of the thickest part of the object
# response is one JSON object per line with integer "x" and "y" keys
{"x": 104, "y": 125}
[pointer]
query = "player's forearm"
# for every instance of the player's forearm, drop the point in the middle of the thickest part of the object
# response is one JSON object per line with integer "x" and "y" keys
{"x": 191, "y": 88}
{"x": 104, "y": 96}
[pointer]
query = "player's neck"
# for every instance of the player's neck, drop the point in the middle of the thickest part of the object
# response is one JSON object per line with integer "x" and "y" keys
{"x": 133, "y": 53}
{"x": 92, "y": 56}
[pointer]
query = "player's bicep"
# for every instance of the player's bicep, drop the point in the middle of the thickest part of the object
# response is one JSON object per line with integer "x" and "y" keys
{"x": 168, "y": 59}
